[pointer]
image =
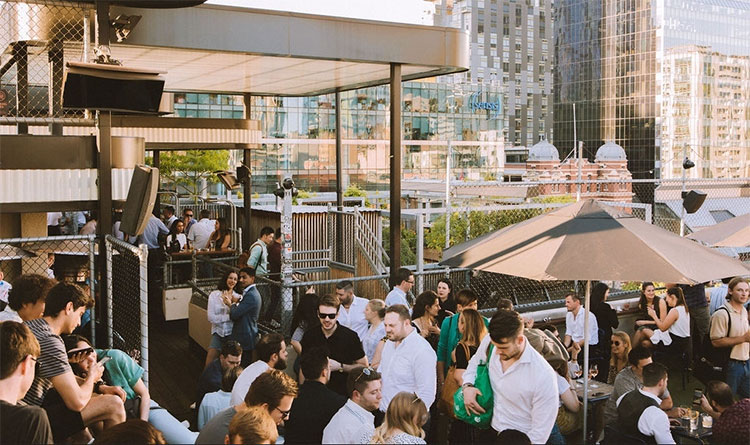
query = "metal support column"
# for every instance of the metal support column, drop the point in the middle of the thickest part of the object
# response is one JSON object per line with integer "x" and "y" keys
{"x": 395, "y": 176}
{"x": 55, "y": 58}
{"x": 104, "y": 225}
{"x": 21, "y": 56}
{"x": 247, "y": 189}
{"x": 143, "y": 294}
{"x": 157, "y": 165}
{"x": 337, "y": 255}
{"x": 287, "y": 294}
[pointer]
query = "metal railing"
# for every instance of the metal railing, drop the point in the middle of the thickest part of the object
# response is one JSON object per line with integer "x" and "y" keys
{"x": 127, "y": 299}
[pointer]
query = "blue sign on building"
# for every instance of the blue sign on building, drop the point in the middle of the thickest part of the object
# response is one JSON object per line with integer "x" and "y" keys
{"x": 494, "y": 107}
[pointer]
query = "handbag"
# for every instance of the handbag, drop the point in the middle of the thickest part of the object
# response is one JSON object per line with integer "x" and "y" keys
{"x": 450, "y": 385}
{"x": 133, "y": 408}
{"x": 485, "y": 400}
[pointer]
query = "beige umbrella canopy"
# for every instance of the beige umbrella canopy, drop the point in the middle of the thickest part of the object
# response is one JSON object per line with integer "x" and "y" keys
{"x": 589, "y": 240}
{"x": 734, "y": 232}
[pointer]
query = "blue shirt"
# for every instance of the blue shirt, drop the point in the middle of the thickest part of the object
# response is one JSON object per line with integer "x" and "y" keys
{"x": 213, "y": 403}
{"x": 396, "y": 296}
{"x": 150, "y": 236}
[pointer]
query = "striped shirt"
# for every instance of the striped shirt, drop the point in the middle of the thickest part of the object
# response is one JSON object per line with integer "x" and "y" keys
{"x": 53, "y": 361}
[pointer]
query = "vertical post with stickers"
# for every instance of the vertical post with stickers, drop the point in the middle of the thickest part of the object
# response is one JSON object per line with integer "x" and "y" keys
{"x": 287, "y": 300}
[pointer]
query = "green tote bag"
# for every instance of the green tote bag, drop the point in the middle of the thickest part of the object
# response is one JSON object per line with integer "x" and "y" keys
{"x": 482, "y": 383}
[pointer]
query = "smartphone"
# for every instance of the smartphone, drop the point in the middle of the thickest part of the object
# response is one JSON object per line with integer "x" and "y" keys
{"x": 104, "y": 360}
{"x": 697, "y": 395}
{"x": 85, "y": 350}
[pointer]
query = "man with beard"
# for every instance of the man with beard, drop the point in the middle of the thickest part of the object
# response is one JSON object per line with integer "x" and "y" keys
{"x": 408, "y": 362}
{"x": 355, "y": 417}
{"x": 341, "y": 343}
{"x": 638, "y": 411}
{"x": 352, "y": 310}
{"x": 271, "y": 355}
{"x": 524, "y": 385}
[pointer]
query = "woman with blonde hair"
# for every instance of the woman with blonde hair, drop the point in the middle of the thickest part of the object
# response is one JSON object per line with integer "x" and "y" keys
{"x": 253, "y": 425}
{"x": 403, "y": 422}
{"x": 619, "y": 359}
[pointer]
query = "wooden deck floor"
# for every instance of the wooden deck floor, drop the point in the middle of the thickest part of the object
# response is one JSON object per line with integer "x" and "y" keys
{"x": 175, "y": 364}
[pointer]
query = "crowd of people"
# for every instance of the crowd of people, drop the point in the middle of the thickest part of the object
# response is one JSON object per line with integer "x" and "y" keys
{"x": 399, "y": 370}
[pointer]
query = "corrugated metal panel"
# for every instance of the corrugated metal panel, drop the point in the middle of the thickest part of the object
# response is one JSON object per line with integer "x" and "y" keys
{"x": 161, "y": 135}
{"x": 19, "y": 186}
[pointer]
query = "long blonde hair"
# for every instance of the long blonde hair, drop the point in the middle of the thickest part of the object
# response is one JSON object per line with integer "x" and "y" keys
{"x": 625, "y": 339}
{"x": 405, "y": 409}
{"x": 474, "y": 328}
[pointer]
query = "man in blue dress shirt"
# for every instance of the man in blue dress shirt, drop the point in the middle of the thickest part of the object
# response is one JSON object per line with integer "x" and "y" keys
{"x": 245, "y": 314}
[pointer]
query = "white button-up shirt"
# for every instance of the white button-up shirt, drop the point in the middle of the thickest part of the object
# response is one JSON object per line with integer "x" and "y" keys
{"x": 354, "y": 317}
{"x": 396, "y": 296}
{"x": 243, "y": 382}
{"x": 349, "y": 424}
{"x": 525, "y": 395}
{"x": 201, "y": 232}
{"x": 411, "y": 367}
{"x": 574, "y": 326}
{"x": 218, "y": 314}
{"x": 654, "y": 421}
{"x": 9, "y": 314}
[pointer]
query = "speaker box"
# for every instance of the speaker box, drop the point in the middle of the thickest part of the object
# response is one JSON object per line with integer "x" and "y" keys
{"x": 112, "y": 88}
{"x": 141, "y": 199}
{"x": 243, "y": 173}
{"x": 693, "y": 200}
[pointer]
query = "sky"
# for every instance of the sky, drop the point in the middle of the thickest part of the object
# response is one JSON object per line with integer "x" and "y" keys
{"x": 402, "y": 11}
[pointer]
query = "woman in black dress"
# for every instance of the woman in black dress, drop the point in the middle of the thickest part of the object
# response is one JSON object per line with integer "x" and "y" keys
{"x": 606, "y": 319}
{"x": 447, "y": 302}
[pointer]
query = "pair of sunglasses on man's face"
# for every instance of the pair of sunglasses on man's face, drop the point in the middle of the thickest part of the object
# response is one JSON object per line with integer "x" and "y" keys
{"x": 324, "y": 316}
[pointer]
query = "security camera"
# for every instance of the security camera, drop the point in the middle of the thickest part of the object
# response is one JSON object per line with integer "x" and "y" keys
{"x": 288, "y": 183}
{"x": 687, "y": 164}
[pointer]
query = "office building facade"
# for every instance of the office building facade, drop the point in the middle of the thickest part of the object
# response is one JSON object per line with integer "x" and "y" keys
{"x": 615, "y": 60}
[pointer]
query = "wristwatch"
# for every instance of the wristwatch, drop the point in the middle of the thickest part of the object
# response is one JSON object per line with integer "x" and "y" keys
{"x": 467, "y": 385}
{"x": 341, "y": 369}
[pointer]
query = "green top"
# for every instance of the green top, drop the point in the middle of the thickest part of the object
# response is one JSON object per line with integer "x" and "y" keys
{"x": 122, "y": 369}
{"x": 449, "y": 338}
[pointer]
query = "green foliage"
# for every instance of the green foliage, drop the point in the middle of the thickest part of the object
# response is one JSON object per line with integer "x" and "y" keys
{"x": 355, "y": 191}
{"x": 301, "y": 194}
{"x": 408, "y": 245}
{"x": 554, "y": 199}
{"x": 479, "y": 223}
{"x": 186, "y": 169}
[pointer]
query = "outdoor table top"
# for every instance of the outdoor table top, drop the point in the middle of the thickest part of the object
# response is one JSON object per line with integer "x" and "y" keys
{"x": 698, "y": 434}
{"x": 597, "y": 390}
{"x": 188, "y": 253}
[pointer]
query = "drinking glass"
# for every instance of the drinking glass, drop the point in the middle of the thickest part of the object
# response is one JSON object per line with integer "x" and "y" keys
{"x": 694, "y": 416}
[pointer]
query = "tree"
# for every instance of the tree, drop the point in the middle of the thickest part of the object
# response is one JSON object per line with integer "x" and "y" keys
{"x": 186, "y": 169}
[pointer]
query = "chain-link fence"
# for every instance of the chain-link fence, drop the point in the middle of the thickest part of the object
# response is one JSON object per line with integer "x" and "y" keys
{"x": 62, "y": 258}
{"x": 38, "y": 38}
{"x": 127, "y": 305}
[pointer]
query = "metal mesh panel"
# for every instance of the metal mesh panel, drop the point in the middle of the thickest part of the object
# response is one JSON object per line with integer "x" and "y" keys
{"x": 490, "y": 287}
{"x": 36, "y": 40}
{"x": 128, "y": 304}
{"x": 64, "y": 258}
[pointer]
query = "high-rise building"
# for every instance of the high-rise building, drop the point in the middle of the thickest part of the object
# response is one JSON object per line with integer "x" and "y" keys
{"x": 613, "y": 61}
{"x": 512, "y": 47}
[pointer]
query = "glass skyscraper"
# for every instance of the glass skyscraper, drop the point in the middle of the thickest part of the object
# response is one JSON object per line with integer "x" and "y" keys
{"x": 615, "y": 60}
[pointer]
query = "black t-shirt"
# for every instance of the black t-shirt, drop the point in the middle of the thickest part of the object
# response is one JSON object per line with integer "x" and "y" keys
{"x": 462, "y": 361}
{"x": 24, "y": 424}
{"x": 343, "y": 346}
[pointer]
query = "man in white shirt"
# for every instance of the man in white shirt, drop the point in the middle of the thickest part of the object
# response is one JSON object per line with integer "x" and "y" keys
{"x": 355, "y": 417}
{"x": 638, "y": 412}
{"x": 272, "y": 354}
{"x": 202, "y": 230}
{"x": 405, "y": 279}
{"x": 352, "y": 309}
{"x": 408, "y": 362}
{"x": 169, "y": 216}
{"x": 524, "y": 385}
{"x": 574, "y": 323}
{"x": 217, "y": 401}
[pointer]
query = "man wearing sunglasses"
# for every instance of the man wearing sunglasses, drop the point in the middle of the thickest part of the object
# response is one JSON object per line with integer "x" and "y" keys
{"x": 19, "y": 352}
{"x": 355, "y": 417}
{"x": 344, "y": 348}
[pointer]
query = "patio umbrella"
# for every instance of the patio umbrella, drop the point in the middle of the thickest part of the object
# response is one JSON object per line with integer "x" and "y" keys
{"x": 589, "y": 240}
{"x": 734, "y": 232}
{"x": 10, "y": 252}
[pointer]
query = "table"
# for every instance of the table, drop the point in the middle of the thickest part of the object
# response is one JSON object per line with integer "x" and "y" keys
{"x": 699, "y": 435}
{"x": 601, "y": 392}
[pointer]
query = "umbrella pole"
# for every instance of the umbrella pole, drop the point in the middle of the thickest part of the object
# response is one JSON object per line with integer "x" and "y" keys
{"x": 585, "y": 374}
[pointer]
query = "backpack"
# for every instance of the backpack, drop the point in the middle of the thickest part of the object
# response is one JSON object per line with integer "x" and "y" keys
{"x": 242, "y": 260}
{"x": 546, "y": 344}
{"x": 713, "y": 364}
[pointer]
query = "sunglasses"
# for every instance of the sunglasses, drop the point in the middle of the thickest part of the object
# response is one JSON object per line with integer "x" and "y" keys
{"x": 416, "y": 398}
{"x": 324, "y": 316}
{"x": 365, "y": 371}
{"x": 616, "y": 343}
{"x": 284, "y": 414}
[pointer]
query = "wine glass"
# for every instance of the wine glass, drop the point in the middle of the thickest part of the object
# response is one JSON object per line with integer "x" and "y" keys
{"x": 593, "y": 372}
{"x": 578, "y": 371}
